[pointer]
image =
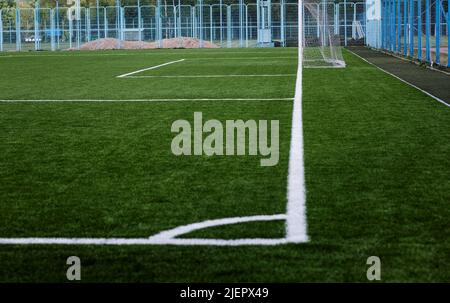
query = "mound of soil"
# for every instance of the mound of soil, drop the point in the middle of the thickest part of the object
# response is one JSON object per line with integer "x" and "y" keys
{"x": 111, "y": 43}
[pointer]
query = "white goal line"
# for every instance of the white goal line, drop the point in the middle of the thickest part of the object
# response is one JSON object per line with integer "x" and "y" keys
{"x": 144, "y": 100}
{"x": 214, "y": 76}
{"x": 167, "y": 237}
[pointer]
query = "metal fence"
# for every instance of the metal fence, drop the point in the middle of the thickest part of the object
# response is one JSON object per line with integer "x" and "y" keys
{"x": 226, "y": 25}
{"x": 417, "y": 28}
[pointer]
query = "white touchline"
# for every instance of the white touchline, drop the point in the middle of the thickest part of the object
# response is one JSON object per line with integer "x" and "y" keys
{"x": 296, "y": 227}
{"x": 404, "y": 81}
{"x": 165, "y": 237}
{"x": 145, "y": 100}
{"x": 213, "y": 76}
{"x": 149, "y": 68}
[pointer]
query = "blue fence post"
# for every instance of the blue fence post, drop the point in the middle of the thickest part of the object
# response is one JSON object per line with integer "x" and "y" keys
{"x": 383, "y": 24}
{"x": 158, "y": 24}
{"x": 221, "y": 23}
{"x": 52, "y": 29}
{"x": 388, "y": 23}
{"x": 179, "y": 19}
{"x": 87, "y": 22}
{"x": 427, "y": 31}
{"x": 241, "y": 24}
{"x": 405, "y": 27}
{"x": 58, "y": 34}
{"x": 393, "y": 36}
{"x": 399, "y": 27}
{"x": 438, "y": 31}
{"x": 241, "y": 21}
{"x": 78, "y": 29}
{"x": 18, "y": 37}
{"x": 194, "y": 21}
{"x": 282, "y": 34}
{"x": 1, "y": 32}
{"x": 411, "y": 28}
{"x": 36, "y": 26}
{"x": 211, "y": 30}
{"x": 200, "y": 25}
{"x": 419, "y": 30}
{"x": 140, "y": 21}
{"x": 118, "y": 24}
{"x": 97, "y": 9}
{"x": 448, "y": 33}
{"x": 345, "y": 22}
{"x": 228, "y": 26}
{"x": 70, "y": 32}
{"x": 246, "y": 26}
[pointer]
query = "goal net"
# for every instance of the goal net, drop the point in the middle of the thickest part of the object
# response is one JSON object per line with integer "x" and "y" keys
{"x": 321, "y": 46}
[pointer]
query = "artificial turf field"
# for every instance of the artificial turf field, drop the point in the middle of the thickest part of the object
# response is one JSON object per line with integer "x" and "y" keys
{"x": 376, "y": 165}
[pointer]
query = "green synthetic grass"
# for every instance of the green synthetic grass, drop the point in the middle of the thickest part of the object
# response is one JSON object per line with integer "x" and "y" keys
{"x": 376, "y": 160}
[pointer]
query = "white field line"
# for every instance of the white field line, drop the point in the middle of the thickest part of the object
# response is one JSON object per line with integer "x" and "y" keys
{"x": 140, "y": 241}
{"x": 296, "y": 226}
{"x": 149, "y": 68}
{"x": 214, "y": 76}
{"x": 165, "y": 237}
{"x": 144, "y": 100}
{"x": 404, "y": 81}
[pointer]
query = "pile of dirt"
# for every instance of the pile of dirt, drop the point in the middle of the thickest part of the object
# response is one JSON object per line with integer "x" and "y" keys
{"x": 111, "y": 43}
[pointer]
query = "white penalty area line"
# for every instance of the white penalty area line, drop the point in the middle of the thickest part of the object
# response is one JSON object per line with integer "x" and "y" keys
{"x": 214, "y": 76}
{"x": 143, "y": 100}
{"x": 404, "y": 81}
{"x": 149, "y": 68}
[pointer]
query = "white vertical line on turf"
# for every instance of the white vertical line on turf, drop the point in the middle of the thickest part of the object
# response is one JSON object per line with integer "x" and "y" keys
{"x": 296, "y": 227}
{"x": 149, "y": 68}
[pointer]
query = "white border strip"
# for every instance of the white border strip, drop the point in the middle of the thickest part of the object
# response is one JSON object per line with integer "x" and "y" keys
{"x": 145, "y": 100}
{"x": 214, "y": 76}
{"x": 296, "y": 226}
{"x": 149, "y": 68}
{"x": 404, "y": 81}
{"x": 166, "y": 237}
{"x": 140, "y": 241}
